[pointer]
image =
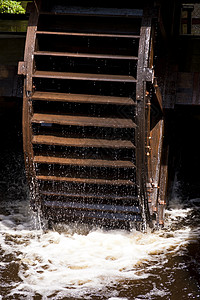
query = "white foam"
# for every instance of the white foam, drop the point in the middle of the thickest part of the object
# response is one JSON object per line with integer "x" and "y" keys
{"x": 74, "y": 263}
{"x": 155, "y": 292}
{"x": 117, "y": 298}
{"x": 176, "y": 214}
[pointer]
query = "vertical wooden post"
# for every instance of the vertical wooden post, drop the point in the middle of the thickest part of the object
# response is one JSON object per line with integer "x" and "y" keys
{"x": 141, "y": 162}
{"x": 28, "y": 89}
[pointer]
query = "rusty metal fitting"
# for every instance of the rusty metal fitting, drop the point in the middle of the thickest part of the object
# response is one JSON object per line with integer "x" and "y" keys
{"x": 155, "y": 185}
{"x": 147, "y": 93}
{"x": 162, "y": 202}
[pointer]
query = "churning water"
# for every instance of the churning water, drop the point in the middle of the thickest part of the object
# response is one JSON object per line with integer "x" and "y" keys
{"x": 78, "y": 262}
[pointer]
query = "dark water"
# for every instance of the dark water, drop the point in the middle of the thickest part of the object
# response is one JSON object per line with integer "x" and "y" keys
{"x": 78, "y": 262}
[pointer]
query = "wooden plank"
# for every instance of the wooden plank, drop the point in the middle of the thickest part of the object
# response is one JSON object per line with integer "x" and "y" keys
{"x": 85, "y": 180}
{"x": 84, "y": 162}
{"x": 83, "y": 76}
{"x": 21, "y": 68}
{"x": 30, "y": 44}
{"x": 101, "y": 216}
{"x": 106, "y": 35}
{"x": 83, "y": 121}
{"x": 162, "y": 195}
{"x": 85, "y": 55}
{"x": 156, "y": 144}
{"x": 95, "y": 11}
{"x": 73, "y": 142}
{"x": 27, "y": 92}
{"x": 158, "y": 97}
{"x": 81, "y": 98}
{"x": 143, "y": 59}
{"x": 126, "y": 198}
{"x": 94, "y": 207}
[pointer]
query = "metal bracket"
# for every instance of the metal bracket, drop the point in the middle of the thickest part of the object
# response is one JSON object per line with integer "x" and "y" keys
{"x": 162, "y": 202}
{"x": 155, "y": 185}
{"x": 149, "y": 74}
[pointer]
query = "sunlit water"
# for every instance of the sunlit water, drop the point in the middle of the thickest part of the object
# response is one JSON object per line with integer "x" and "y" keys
{"x": 77, "y": 262}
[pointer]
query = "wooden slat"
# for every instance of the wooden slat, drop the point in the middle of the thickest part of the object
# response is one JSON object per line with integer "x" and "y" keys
{"x": 81, "y": 98}
{"x": 84, "y": 162}
{"x": 74, "y": 142}
{"x": 106, "y": 35}
{"x": 85, "y": 55}
{"x": 94, "y": 207}
{"x": 158, "y": 97}
{"x": 83, "y": 121}
{"x": 83, "y": 76}
{"x": 100, "y": 215}
{"x": 126, "y": 198}
{"x": 85, "y": 180}
{"x": 97, "y": 11}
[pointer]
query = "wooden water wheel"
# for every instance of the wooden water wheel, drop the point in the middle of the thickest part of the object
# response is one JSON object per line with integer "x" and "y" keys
{"x": 88, "y": 88}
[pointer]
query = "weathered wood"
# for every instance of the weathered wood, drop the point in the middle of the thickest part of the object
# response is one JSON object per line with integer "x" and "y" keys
{"x": 95, "y": 11}
{"x": 62, "y": 119}
{"x": 129, "y": 36}
{"x": 162, "y": 196}
{"x": 103, "y": 216}
{"x": 82, "y": 98}
{"x": 94, "y": 207}
{"x": 158, "y": 97}
{"x": 123, "y": 199}
{"x": 83, "y": 76}
{"x": 156, "y": 143}
{"x": 71, "y": 142}
{"x": 85, "y": 55}
{"x": 83, "y": 121}
{"x": 30, "y": 46}
{"x": 84, "y": 162}
{"x": 22, "y": 68}
{"x": 141, "y": 134}
{"x": 85, "y": 180}
{"x": 27, "y": 105}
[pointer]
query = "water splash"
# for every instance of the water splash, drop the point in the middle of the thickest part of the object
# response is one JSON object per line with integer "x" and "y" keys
{"x": 83, "y": 262}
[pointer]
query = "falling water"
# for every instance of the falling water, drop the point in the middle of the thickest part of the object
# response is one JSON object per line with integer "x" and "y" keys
{"x": 83, "y": 262}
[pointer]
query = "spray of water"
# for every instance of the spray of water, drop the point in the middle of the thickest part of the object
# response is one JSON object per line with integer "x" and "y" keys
{"x": 79, "y": 261}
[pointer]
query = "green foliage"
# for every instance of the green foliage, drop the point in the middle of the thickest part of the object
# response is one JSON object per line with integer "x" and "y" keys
{"x": 11, "y": 7}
